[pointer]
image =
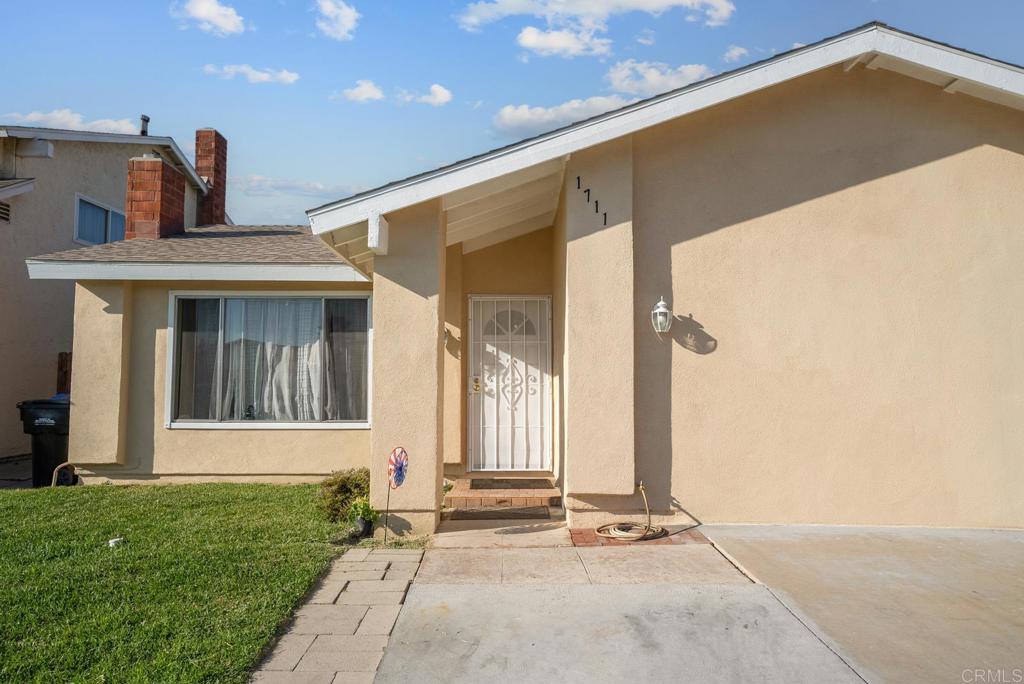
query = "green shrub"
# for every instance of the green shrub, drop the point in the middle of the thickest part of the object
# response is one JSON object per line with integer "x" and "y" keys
{"x": 339, "y": 490}
{"x": 361, "y": 508}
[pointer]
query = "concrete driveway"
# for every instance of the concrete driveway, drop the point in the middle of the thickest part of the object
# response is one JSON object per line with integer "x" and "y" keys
{"x": 603, "y": 614}
{"x": 902, "y": 605}
{"x": 829, "y": 604}
{"x": 16, "y": 472}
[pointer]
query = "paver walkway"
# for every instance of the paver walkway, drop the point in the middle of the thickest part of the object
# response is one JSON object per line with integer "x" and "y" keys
{"x": 339, "y": 635}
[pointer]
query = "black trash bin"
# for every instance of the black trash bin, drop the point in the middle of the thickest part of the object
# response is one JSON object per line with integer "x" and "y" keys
{"x": 47, "y": 421}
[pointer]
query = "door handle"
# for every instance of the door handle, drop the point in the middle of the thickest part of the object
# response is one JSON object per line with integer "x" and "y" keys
{"x": 476, "y": 384}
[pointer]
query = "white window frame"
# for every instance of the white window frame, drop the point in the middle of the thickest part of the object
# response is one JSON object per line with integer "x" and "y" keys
{"x": 170, "y": 377}
{"x": 79, "y": 198}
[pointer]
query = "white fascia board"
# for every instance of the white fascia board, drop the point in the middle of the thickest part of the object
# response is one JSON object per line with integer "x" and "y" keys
{"x": 955, "y": 63}
{"x": 28, "y": 185}
{"x": 92, "y": 270}
{"x": 122, "y": 138}
{"x": 587, "y": 134}
{"x": 870, "y": 39}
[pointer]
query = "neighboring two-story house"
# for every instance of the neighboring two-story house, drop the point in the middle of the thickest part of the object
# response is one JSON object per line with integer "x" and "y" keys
{"x": 58, "y": 189}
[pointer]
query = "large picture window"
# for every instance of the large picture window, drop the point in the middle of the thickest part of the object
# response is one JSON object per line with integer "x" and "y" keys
{"x": 250, "y": 360}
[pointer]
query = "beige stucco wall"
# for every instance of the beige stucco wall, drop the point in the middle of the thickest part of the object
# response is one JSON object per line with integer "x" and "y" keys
{"x": 558, "y": 247}
{"x": 101, "y": 404}
{"x": 147, "y": 449}
{"x": 520, "y": 266}
{"x": 598, "y": 326}
{"x": 408, "y": 375}
{"x": 454, "y": 439}
{"x": 853, "y": 242}
{"x": 39, "y": 313}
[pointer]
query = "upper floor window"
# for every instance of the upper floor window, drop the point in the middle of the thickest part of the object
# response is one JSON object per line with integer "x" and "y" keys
{"x": 96, "y": 224}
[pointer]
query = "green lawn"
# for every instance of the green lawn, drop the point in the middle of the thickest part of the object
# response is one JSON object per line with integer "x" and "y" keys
{"x": 205, "y": 577}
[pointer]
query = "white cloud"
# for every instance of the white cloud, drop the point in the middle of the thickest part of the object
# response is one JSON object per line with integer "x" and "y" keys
{"x": 251, "y": 74}
{"x": 438, "y": 96}
{"x": 524, "y": 120}
{"x": 645, "y": 37}
{"x": 477, "y": 14}
{"x": 798, "y": 45}
{"x": 66, "y": 118}
{"x": 363, "y": 91}
{"x": 575, "y": 27}
{"x": 735, "y": 53}
{"x": 563, "y": 42}
{"x": 651, "y": 78}
{"x": 213, "y": 17}
{"x": 336, "y": 19}
{"x": 264, "y": 186}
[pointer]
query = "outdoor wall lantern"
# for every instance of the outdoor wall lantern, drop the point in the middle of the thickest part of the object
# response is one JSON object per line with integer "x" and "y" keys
{"x": 661, "y": 317}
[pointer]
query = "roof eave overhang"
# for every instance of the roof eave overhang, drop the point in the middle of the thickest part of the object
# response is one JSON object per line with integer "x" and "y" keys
{"x": 39, "y": 269}
{"x": 877, "y": 39}
{"x": 30, "y": 133}
{"x": 27, "y": 185}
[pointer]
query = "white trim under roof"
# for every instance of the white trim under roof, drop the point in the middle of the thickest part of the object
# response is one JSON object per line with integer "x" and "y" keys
{"x": 19, "y": 188}
{"x": 39, "y": 269}
{"x": 1004, "y": 82}
{"x": 33, "y": 133}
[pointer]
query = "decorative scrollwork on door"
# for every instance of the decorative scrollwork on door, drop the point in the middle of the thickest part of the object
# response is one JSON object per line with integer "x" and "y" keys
{"x": 512, "y": 384}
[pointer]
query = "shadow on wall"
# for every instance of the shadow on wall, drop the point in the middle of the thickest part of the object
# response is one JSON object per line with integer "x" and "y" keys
{"x": 791, "y": 144}
{"x": 654, "y": 383}
{"x": 147, "y": 323}
{"x": 396, "y": 525}
{"x": 690, "y": 334}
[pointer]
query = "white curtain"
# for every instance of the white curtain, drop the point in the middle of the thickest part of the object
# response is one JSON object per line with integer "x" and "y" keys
{"x": 347, "y": 359}
{"x": 272, "y": 360}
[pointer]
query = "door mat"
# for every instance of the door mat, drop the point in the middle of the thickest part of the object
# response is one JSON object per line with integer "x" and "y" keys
{"x": 510, "y": 483}
{"x": 501, "y": 513}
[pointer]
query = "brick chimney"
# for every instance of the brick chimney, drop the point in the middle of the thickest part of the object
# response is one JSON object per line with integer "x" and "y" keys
{"x": 155, "y": 203}
{"x": 212, "y": 165}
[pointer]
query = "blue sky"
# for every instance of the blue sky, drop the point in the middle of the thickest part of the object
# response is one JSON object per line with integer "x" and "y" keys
{"x": 320, "y": 98}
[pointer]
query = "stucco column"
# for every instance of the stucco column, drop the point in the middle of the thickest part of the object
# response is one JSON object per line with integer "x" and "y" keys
{"x": 99, "y": 386}
{"x": 454, "y": 394}
{"x": 597, "y": 368}
{"x": 408, "y": 380}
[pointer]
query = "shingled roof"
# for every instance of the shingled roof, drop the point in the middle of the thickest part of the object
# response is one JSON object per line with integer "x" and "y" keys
{"x": 213, "y": 244}
{"x": 264, "y": 253}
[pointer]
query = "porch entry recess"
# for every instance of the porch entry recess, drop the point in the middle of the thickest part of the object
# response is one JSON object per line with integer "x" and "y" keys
{"x": 509, "y": 383}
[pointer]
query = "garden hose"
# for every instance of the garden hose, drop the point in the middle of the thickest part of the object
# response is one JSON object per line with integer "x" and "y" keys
{"x": 633, "y": 531}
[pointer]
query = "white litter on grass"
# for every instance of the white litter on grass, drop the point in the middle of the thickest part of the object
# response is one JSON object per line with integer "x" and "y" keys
{"x": 116, "y": 541}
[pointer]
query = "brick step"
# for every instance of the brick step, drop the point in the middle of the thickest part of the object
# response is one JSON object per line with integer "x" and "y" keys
{"x": 500, "y": 513}
{"x": 500, "y": 500}
{"x": 502, "y": 492}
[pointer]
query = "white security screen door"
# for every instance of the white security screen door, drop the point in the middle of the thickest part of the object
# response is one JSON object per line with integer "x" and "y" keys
{"x": 509, "y": 384}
